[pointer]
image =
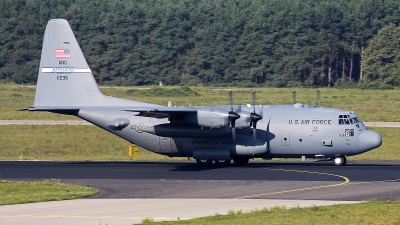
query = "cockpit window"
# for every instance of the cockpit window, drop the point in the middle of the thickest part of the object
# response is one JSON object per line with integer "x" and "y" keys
{"x": 346, "y": 120}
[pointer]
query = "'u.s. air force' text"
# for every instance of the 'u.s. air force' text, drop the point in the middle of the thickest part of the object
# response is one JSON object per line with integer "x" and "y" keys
{"x": 310, "y": 122}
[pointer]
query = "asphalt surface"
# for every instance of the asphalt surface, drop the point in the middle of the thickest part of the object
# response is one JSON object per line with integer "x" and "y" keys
{"x": 356, "y": 181}
{"x": 131, "y": 191}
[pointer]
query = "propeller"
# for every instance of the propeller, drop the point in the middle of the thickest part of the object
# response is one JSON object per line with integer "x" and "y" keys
{"x": 255, "y": 117}
{"x": 232, "y": 116}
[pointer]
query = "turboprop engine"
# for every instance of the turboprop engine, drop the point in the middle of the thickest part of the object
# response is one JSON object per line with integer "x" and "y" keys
{"x": 212, "y": 118}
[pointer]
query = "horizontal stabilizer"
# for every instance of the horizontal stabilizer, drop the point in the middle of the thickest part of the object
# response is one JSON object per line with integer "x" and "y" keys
{"x": 51, "y": 109}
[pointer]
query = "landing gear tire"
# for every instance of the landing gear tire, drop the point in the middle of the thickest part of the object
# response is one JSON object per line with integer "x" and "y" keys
{"x": 339, "y": 161}
{"x": 222, "y": 162}
{"x": 241, "y": 161}
{"x": 204, "y": 162}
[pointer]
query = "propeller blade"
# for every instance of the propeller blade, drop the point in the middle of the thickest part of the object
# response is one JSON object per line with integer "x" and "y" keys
{"x": 255, "y": 117}
{"x": 238, "y": 109}
{"x": 254, "y": 101}
{"x": 230, "y": 100}
{"x": 259, "y": 111}
{"x": 232, "y": 116}
{"x": 254, "y": 135}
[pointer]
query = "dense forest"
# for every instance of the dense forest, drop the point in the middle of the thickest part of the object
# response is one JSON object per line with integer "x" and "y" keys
{"x": 213, "y": 42}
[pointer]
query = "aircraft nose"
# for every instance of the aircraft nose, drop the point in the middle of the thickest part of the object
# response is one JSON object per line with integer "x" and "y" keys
{"x": 369, "y": 140}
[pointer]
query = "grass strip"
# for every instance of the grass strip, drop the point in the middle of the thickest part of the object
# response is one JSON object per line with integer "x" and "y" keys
{"x": 17, "y": 192}
{"x": 364, "y": 102}
{"x": 372, "y": 212}
{"x": 90, "y": 143}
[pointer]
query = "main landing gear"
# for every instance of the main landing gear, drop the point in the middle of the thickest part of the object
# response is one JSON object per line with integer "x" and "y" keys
{"x": 239, "y": 161}
{"x": 222, "y": 162}
{"x": 204, "y": 162}
{"x": 339, "y": 160}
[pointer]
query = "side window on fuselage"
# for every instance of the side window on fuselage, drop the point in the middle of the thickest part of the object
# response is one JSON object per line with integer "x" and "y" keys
{"x": 341, "y": 121}
{"x": 345, "y": 120}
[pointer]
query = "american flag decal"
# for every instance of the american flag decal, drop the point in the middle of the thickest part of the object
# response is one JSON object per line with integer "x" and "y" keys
{"x": 62, "y": 53}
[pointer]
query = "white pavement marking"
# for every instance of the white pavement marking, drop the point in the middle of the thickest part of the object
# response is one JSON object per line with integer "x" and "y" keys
{"x": 129, "y": 211}
{"x": 382, "y": 124}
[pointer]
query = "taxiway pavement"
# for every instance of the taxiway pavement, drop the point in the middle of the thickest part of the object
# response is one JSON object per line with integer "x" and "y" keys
{"x": 131, "y": 191}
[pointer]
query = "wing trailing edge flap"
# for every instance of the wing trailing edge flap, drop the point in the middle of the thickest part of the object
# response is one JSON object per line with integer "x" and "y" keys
{"x": 163, "y": 112}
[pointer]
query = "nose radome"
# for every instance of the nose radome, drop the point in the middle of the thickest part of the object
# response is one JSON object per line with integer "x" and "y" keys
{"x": 369, "y": 140}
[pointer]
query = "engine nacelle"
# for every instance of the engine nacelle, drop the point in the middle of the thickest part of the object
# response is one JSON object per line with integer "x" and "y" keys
{"x": 244, "y": 121}
{"x": 209, "y": 117}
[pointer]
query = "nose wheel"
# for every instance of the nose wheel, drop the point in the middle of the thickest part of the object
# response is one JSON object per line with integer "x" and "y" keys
{"x": 339, "y": 160}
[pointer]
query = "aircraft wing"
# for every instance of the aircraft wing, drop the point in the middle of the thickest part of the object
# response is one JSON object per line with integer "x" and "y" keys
{"x": 163, "y": 112}
{"x": 159, "y": 112}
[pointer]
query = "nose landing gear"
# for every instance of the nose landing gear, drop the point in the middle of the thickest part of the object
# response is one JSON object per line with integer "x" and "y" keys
{"x": 339, "y": 160}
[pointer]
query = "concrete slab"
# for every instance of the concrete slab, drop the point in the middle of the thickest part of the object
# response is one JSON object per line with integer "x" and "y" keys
{"x": 131, "y": 211}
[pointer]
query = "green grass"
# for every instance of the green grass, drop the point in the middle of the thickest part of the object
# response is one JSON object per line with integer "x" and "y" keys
{"x": 82, "y": 142}
{"x": 370, "y": 105}
{"x": 75, "y": 142}
{"x": 388, "y": 151}
{"x": 373, "y": 212}
{"x": 16, "y": 192}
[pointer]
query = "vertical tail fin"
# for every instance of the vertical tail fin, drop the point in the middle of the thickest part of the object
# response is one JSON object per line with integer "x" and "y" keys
{"x": 65, "y": 78}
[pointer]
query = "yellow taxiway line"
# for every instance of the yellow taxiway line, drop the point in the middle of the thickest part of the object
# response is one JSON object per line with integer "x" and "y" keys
{"x": 346, "y": 181}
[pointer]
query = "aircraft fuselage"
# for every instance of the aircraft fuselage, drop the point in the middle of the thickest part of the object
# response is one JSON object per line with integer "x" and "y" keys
{"x": 288, "y": 131}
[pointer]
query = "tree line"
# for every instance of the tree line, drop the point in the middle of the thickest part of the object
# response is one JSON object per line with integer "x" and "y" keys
{"x": 208, "y": 42}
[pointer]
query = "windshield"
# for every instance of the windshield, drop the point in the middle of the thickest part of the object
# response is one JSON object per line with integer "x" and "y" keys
{"x": 360, "y": 122}
{"x": 353, "y": 119}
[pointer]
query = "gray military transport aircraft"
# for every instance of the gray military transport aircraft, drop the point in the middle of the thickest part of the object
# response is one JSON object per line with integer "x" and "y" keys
{"x": 207, "y": 133}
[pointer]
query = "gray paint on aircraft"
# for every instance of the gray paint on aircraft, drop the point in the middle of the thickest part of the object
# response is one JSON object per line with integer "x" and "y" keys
{"x": 66, "y": 85}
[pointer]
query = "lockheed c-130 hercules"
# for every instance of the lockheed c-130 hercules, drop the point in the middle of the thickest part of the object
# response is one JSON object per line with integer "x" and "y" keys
{"x": 207, "y": 133}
